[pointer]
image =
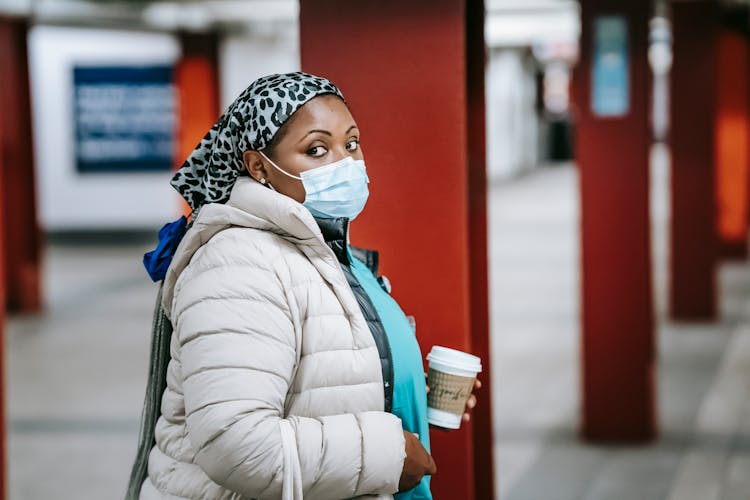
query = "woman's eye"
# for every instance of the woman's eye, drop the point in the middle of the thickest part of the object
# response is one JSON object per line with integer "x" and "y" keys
{"x": 316, "y": 151}
{"x": 352, "y": 145}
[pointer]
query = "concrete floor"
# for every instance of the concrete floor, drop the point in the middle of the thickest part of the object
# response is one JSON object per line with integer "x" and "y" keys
{"x": 703, "y": 451}
{"x": 76, "y": 376}
{"x": 76, "y": 373}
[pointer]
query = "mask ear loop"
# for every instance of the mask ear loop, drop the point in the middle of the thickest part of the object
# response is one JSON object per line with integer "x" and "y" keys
{"x": 279, "y": 168}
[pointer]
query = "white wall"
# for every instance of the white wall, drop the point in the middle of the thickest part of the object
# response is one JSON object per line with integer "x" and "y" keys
{"x": 67, "y": 199}
{"x": 245, "y": 57}
{"x": 512, "y": 124}
{"x": 518, "y": 23}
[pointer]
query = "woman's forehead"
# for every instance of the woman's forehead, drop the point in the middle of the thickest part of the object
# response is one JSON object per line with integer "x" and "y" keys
{"x": 329, "y": 111}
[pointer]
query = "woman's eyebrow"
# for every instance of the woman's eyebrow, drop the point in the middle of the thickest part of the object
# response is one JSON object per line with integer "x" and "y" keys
{"x": 320, "y": 131}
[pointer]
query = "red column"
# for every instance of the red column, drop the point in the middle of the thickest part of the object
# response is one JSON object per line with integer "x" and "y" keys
{"x": 197, "y": 82}
{"x": 22, "y": 234}
{"x": 693, "y": 116}
{"x": 732, "y": 140}
{"x": 476, "y": 55}
{"x": 412, "y": 73}
{"x": 612, "y": 155}
{"x": 20, "y": 253}
{"x": 3, "y": 468}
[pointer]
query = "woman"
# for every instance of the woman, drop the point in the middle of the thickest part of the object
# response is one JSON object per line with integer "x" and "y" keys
{"x": 291, "y": 371}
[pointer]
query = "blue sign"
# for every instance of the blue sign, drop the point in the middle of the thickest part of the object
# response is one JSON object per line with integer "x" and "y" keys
{"x": 124, "y": 118}
{"x": 610, "y": 93}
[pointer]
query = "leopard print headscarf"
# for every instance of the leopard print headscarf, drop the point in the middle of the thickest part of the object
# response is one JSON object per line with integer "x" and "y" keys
{"x": 250, "y": 122}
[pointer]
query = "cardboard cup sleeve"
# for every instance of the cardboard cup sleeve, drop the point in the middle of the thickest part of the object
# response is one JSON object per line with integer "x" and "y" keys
{"x": 448, "y": 392}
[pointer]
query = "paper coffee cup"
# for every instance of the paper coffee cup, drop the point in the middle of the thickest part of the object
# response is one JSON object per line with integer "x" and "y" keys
{"x": 450, "y": 375}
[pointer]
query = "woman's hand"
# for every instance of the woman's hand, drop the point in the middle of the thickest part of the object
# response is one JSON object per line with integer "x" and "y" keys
{"x": 470, "y": 404}
{"x": 417, "y": 463}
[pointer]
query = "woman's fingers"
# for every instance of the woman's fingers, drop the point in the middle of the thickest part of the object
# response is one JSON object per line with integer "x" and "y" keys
{"x": 470, "y": 404}
{"x": 477, "y": 384}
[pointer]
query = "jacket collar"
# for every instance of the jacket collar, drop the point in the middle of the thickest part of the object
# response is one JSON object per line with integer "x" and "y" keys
{"x": 255, "y": 206}
{"x": 335, "y": 232}
{"x": 250, "y": 205}
{"x": 336, "y": 235}
{"x": 271, "y": 211}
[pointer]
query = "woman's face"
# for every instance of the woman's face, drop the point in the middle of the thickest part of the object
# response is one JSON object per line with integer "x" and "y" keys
{"x": 322, "y": 131}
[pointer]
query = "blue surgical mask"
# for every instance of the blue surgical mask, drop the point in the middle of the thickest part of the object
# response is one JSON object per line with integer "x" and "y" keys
{"x": 338, "y": 189}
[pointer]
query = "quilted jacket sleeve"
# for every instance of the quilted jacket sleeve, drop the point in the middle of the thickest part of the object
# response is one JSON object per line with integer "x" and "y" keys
{"x": 238, "y": 354}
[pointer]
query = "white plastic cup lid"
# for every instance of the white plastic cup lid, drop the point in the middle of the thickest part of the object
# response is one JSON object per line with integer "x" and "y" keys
{"x": 453, "y": 357}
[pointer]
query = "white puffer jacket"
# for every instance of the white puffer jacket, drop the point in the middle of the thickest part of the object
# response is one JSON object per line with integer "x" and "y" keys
{"x": 274, "y": 389}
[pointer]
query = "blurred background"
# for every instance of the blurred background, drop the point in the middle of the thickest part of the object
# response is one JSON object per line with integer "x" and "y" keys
{"x": 616, "y": 180}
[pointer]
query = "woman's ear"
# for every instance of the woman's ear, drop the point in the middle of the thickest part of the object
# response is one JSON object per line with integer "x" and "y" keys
{"x": 254, "y": 165}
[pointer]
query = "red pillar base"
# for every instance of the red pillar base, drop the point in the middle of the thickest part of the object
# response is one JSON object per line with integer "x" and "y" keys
{"x": 733, "y": 250}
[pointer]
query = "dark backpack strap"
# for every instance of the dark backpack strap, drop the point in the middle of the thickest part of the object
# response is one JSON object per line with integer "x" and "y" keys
{"x": 370, "y": 258}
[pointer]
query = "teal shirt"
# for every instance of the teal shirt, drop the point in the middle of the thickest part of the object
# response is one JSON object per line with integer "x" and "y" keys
{"x": 409, "y": 393}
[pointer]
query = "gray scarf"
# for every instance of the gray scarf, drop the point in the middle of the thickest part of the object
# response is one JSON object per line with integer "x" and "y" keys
{"x": 161, "y": 334}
